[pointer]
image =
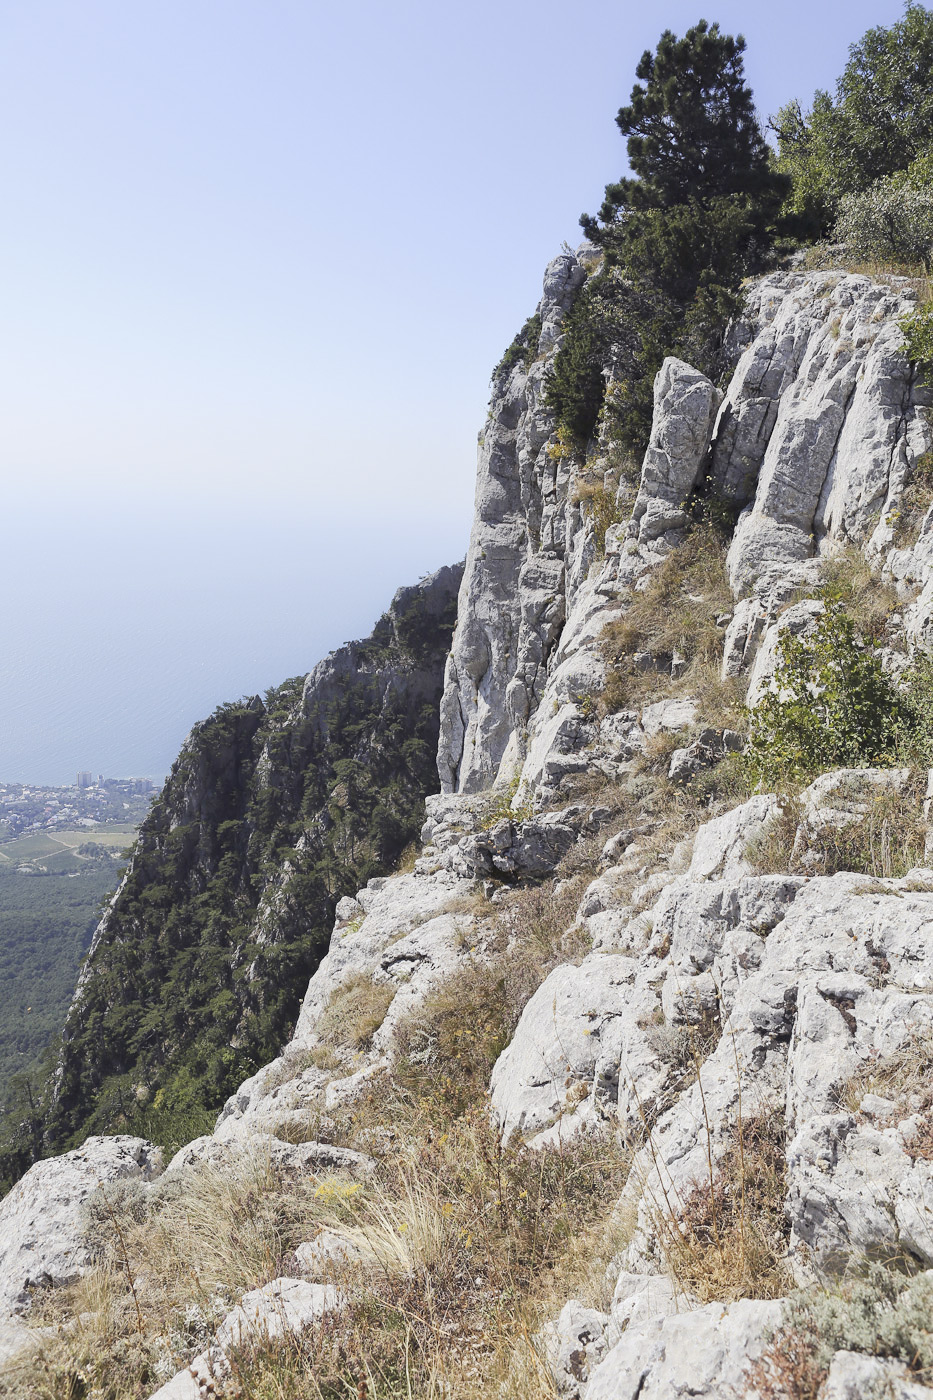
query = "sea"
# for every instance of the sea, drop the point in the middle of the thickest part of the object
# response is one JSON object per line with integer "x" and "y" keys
{"x": 119, "y": 628}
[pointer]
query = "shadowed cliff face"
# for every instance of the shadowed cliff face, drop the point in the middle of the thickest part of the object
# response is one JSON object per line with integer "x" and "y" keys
{"x": 273, "y": 810}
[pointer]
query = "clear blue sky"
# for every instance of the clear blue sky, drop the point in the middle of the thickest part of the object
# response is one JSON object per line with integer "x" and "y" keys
{"x": 258, "y": 261}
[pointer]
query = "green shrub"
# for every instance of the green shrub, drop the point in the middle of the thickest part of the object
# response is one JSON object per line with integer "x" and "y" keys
{"x": 893, "y": 219}
{"x": 878, "y": 123}
{"x": 918, "y": 336}
{"x": 832, "y": 706}
{"x": 522, "y": 350}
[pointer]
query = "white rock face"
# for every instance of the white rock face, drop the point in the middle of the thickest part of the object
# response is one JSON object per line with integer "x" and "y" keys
{"x": 42, "y": 1224}
{"x": 685, "y": 404}
{"x": 580, "y": 1037}
{"x": 701, "y": 1353}
{"x": 410, "y": 933}
{"x": 513, "y": 595}
{"x": 816, "y": 437}
{"x": 818, "y": 425}
{"x": 853, "y": 1376}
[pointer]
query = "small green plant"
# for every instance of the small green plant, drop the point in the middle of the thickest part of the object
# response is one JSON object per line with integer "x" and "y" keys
{"x": 918, "y": 336}
{"x": 521, "y": 351}
{"x": 831, "y": 706}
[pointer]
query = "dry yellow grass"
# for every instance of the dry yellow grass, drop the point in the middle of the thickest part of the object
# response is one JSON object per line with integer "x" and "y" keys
{"x": 354, "y": 1013}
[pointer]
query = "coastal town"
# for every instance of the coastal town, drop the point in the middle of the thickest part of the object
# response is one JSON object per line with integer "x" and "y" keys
{"x": 92, "y": 801}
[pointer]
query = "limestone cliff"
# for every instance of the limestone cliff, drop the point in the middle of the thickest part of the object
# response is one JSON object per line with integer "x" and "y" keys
{"x": 607, "y": 943}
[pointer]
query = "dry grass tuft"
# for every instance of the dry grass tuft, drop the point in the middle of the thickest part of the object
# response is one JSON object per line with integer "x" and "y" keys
{"x": 905, "y": 1076}
{"x": 848, "y": 580}
{"x": 171, "y": 1260}
{"x": 461, "y": 1239}
{"x": 885, "y": 840}
{"x": 675, "y": 613}
{"x": 354, "y": 1013}
{"x": 914, "y": 503}
{"x": 730, "y": 1239}
{"x": 447, "y": 1047}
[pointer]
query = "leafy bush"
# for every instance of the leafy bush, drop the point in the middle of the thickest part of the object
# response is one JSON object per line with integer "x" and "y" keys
{"x": 522, "y": 350}
{"x": 893, "y": 219}
{"x": 831, "y": 706}
{"x": 879, "y": 121}
{"x": 918, "y": 336}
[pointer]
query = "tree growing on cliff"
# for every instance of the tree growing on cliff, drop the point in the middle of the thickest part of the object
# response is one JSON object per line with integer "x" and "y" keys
{"x": 678, "y": 235}
{"x": 693, "y": 135}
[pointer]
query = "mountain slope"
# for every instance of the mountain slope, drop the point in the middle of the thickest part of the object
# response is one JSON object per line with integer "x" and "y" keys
{"x": 272, "y": 811}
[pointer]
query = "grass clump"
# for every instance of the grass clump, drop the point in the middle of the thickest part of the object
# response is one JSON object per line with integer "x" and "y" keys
{"x": 885, "y": 837}
{"x": 675, "y": 613}
{"x": 730, "y": 1239}
{"x": 354, "y": 1013}
{"x": 170, "y": 1261}
{"x": 905, "y": 1076}
{"x": 848, "y": 582}
{"x": 601, "y": 506}
{"x": 447, "y": 1047}
{"x": 915, "y": 501}
{"x": 459, "y": 1239}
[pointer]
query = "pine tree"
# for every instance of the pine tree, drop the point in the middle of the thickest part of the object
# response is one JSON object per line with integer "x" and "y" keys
{"x": 693, "y": 135}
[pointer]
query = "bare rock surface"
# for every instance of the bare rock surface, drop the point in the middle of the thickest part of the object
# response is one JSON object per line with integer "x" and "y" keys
{"x": 685, "y": 404}
{"x": 853, "y": 1376}
{"x": 701, "y": 1353}
{"x": 42, "y": 1221}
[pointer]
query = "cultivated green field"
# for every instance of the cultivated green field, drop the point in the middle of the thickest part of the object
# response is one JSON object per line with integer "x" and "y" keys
{"x": 40, "y": 844}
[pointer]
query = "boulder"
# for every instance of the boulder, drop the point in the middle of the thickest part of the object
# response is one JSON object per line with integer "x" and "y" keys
{"x": 705, "y": 1353}
{"x": 43, "y": 1240}
{"x": 854, "y": 1376}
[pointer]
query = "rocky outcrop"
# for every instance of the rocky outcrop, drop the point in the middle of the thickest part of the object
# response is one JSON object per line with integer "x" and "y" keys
{"x": 43, "y": 1238}
{"x": 814, "y": 441}
{"x": 685, "y": 404}
{"x": 513, "y": 599}
{"x": 692, "y": 998}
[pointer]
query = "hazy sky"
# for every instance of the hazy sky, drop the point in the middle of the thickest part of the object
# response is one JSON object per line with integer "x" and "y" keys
{"x": 258, "y": 261}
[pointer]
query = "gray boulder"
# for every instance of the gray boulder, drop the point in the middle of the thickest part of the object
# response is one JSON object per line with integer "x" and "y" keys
{"x": 705, "y": 1353}
{"x": 43, "y": 1242}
